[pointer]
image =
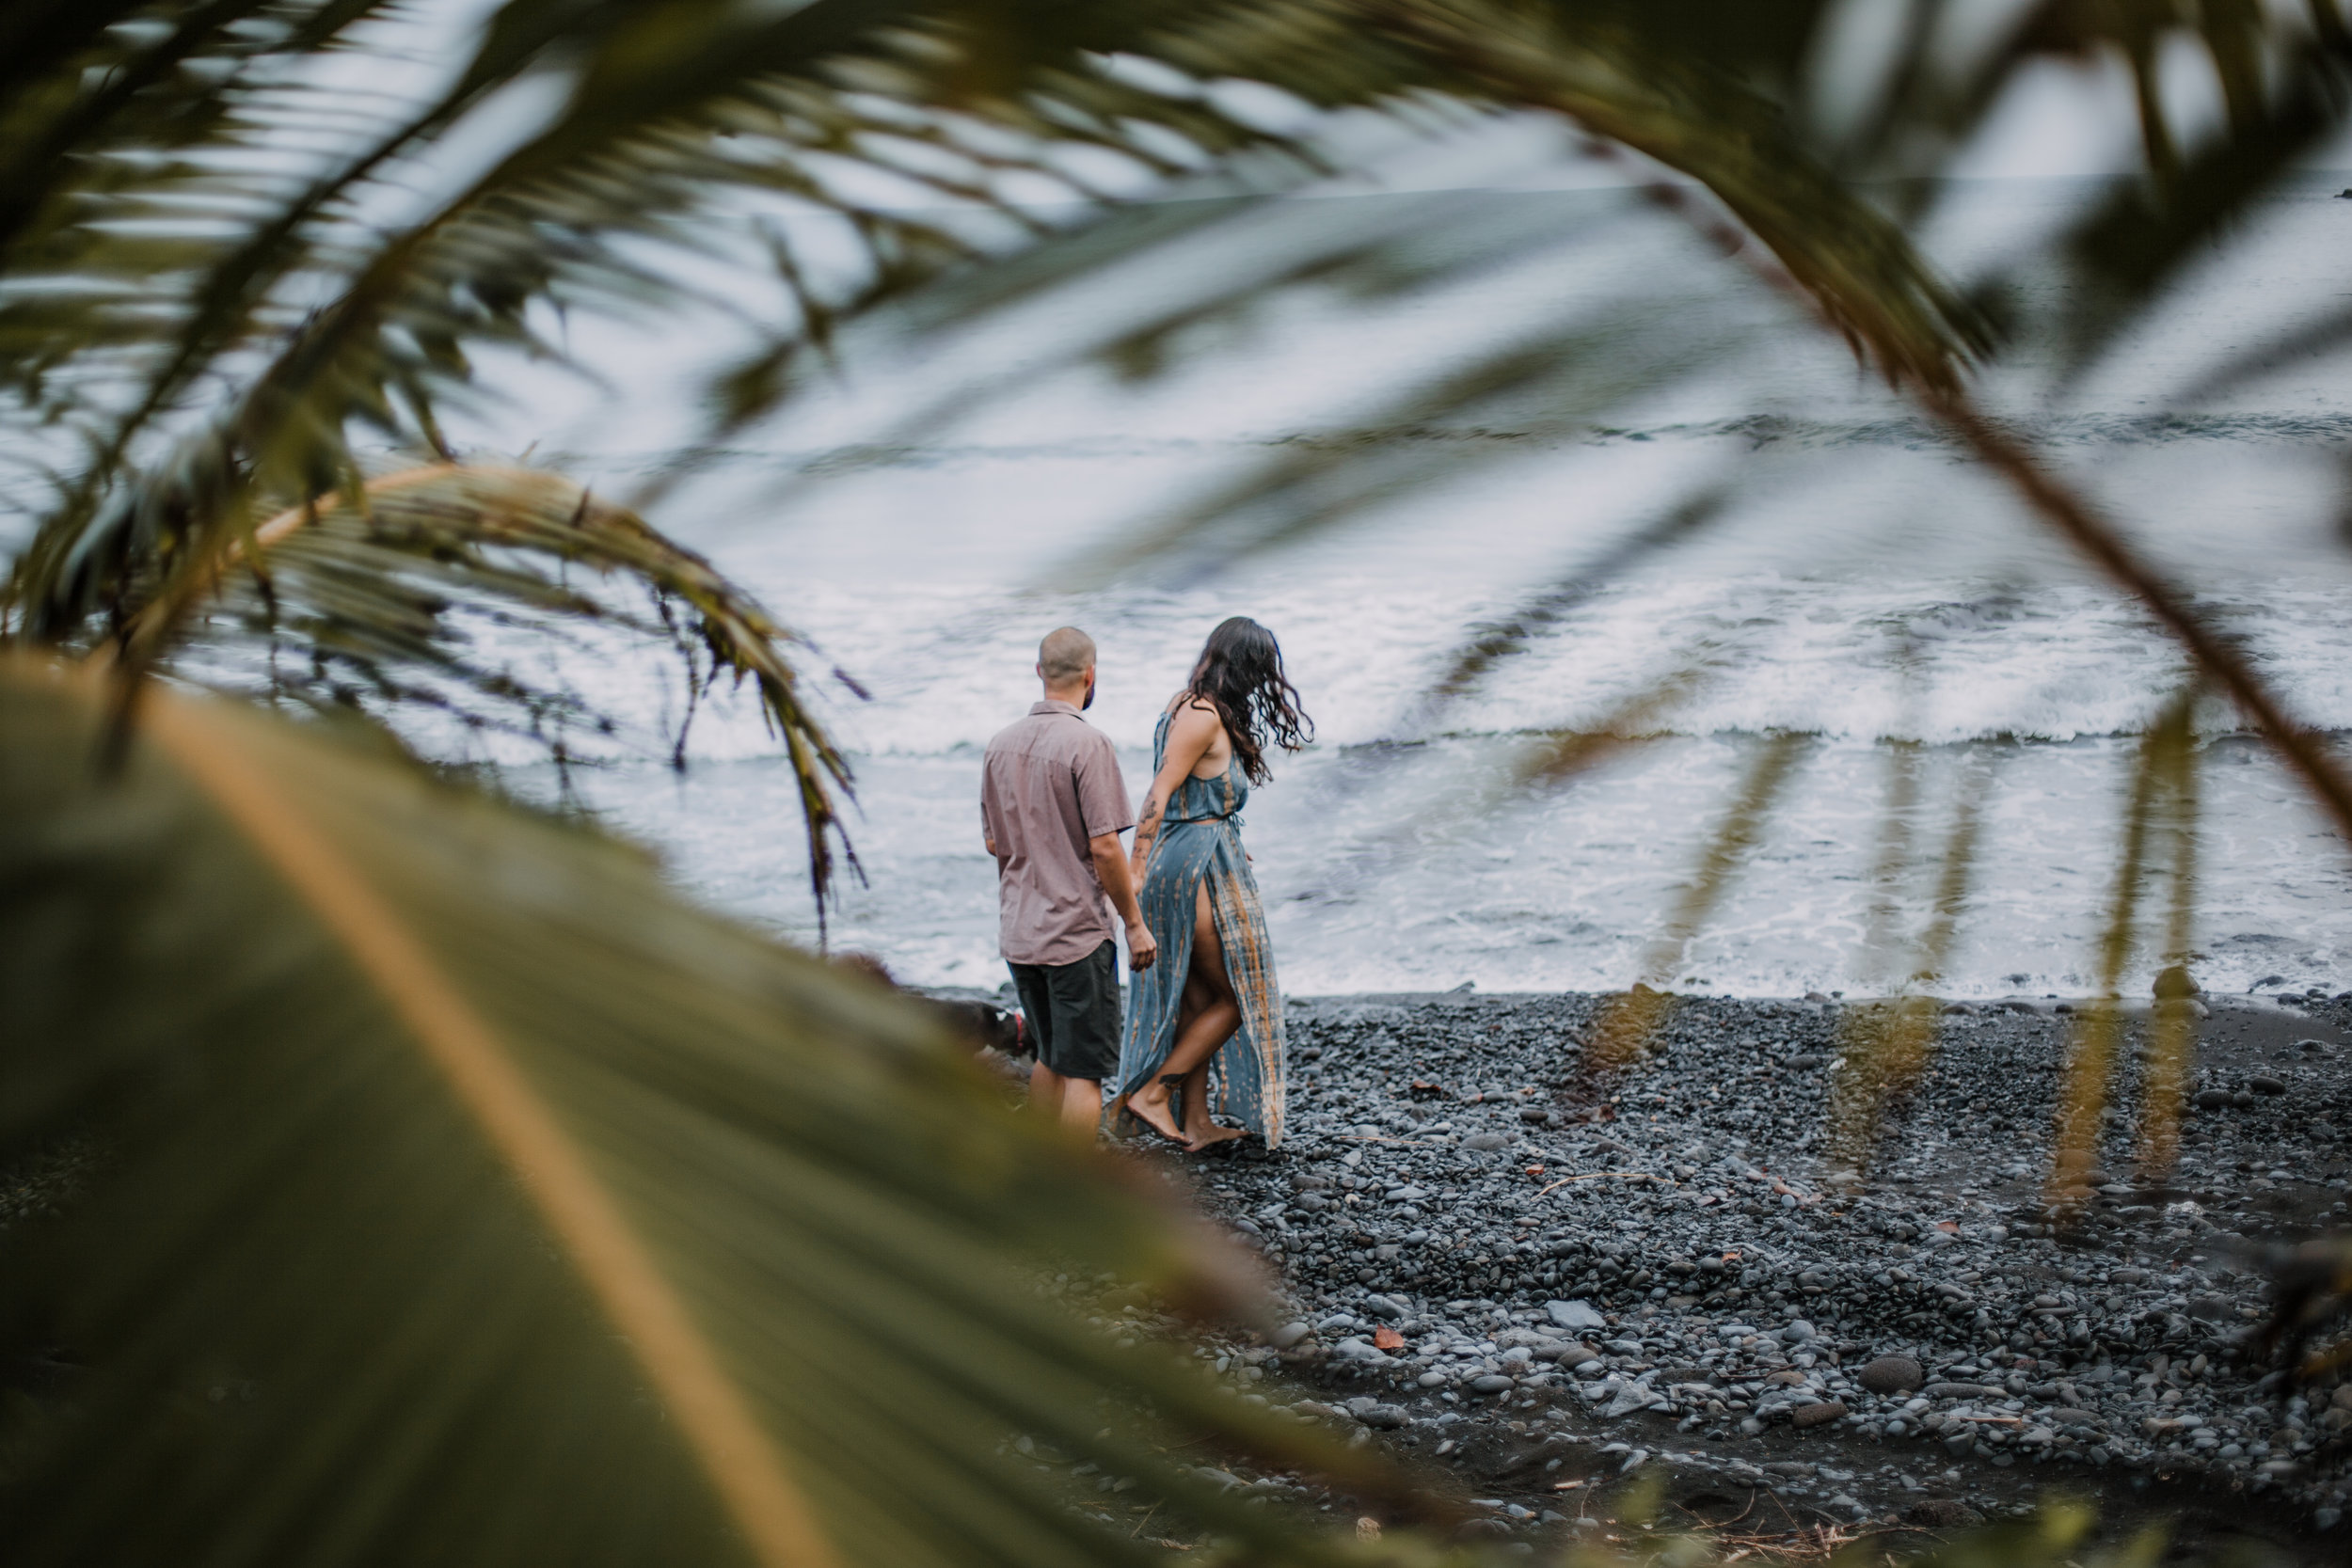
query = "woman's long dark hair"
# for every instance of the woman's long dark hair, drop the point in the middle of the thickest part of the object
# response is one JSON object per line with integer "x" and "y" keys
{"x": 1240, "y": 675}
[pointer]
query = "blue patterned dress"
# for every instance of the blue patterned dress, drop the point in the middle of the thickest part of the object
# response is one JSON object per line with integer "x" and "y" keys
{"x": 1200, "y": 840}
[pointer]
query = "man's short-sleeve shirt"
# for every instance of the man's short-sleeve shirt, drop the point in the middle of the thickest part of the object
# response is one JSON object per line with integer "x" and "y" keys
{"x": 1049, "y": 783}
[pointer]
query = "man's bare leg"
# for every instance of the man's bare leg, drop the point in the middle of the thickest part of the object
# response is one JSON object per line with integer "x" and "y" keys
{"x": 1082, "y": 1107}
{"x": 1046, "y": 1090}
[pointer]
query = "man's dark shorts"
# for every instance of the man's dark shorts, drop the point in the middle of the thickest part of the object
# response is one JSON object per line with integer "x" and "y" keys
{"x": 1072, "y": 1010}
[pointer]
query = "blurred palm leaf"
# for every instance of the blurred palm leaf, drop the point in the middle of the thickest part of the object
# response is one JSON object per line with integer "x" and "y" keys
{"x": 2312, "y": 1300}
{"x": 157, "y": 145}
{"x": 219, "y": 263}
{"x": 1885, "y": 1046}
{"x": 1626, "y": 1027}
{"x": 401, "y": 597}
{"x": 472, "y": 1200}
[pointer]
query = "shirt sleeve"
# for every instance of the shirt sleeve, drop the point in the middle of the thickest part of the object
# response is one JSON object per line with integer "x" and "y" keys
{"x": 1101, "y": 792}
{"x": 988, "y": 801}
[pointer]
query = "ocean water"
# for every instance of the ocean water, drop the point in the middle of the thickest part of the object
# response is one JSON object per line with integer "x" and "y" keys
{"x": 925, "y": 518}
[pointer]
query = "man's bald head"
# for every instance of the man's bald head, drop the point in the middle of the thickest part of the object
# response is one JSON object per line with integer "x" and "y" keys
{"x": 1065, "y": 657}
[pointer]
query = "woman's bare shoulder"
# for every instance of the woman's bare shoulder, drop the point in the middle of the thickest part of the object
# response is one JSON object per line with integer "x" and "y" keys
{"x": 1188, "y": 703}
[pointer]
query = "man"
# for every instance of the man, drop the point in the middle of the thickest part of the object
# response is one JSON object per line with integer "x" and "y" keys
{"x": 1052, "y": 807}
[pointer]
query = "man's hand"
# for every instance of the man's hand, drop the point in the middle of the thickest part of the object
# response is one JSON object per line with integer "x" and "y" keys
{"x": 1110, "y": 869}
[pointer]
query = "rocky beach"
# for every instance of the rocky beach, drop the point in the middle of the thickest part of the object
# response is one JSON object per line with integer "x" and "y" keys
{"x": 1542, "y": 1282}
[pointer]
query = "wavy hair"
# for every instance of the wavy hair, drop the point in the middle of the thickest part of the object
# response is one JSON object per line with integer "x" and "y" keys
{"x": 1240, "y": 675}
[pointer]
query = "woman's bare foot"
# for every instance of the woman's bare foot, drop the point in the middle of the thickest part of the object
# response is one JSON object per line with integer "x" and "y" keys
{"x": 1215, "y": 1135}
{"x": 1158, "y": 1114}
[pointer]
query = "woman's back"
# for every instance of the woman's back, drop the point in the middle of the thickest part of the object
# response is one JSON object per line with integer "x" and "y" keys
{"x": 1206, "y": 794}
{"x": 1218, "y": 758}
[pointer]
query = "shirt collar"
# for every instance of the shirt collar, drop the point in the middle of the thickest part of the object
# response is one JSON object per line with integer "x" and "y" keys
{"x": 1055, "y": 704}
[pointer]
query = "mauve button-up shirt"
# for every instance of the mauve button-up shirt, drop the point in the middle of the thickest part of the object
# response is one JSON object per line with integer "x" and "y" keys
{"x": 1049, "y": 783}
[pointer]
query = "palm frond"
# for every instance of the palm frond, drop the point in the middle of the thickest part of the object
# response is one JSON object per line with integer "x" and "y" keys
{"x": 471, "y": 1198}
{"x": 1625, "y": 1028}
{"x": 1490, "y": 645}
{"x": 381, "y": 602}
{"x": 2286, "y": 92}
{"x": 2085, "y": 1085}
{"x": 1885, "y": 1046}
{"x": 2172, "y": 1031}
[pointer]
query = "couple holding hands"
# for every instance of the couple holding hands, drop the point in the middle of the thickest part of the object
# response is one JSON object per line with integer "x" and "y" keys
{"x": 1201, "y": 1036}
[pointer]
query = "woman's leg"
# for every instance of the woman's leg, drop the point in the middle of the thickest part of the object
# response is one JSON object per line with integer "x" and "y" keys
{"x": 1197, "y": 1040}
{"x": 1158, "y": 1100}
{"x": 1206, "y": 979}
{"x": 1190, "y": 1109}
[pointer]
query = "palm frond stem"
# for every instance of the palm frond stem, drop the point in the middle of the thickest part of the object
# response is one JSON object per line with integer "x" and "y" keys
{"x": 2220, "y": 660}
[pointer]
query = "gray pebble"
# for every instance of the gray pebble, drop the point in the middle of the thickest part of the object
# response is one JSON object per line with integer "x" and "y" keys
{"x": 1576, "y": 1316}
{"x": 1892, "y": 1374}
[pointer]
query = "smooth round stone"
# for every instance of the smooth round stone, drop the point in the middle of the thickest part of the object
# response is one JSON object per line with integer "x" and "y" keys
{"x": 1431, "y": 1380}
{"x": 1493, "y": 1383}
{"x": 1892, "y": 1374}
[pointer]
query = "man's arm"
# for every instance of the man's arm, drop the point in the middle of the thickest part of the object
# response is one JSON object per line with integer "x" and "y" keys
{"x": 988, "y": 813}
{"x": 1110, "y": 866}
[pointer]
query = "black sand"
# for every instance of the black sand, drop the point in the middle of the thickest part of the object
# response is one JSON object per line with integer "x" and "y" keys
{"x": 1450, "y": 1171}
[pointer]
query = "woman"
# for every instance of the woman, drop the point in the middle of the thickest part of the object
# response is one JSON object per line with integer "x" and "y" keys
{"x": 1209, "y": 1006}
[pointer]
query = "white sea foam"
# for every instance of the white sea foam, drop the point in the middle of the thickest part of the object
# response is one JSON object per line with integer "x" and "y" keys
{"x": 1875, "y": 659}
